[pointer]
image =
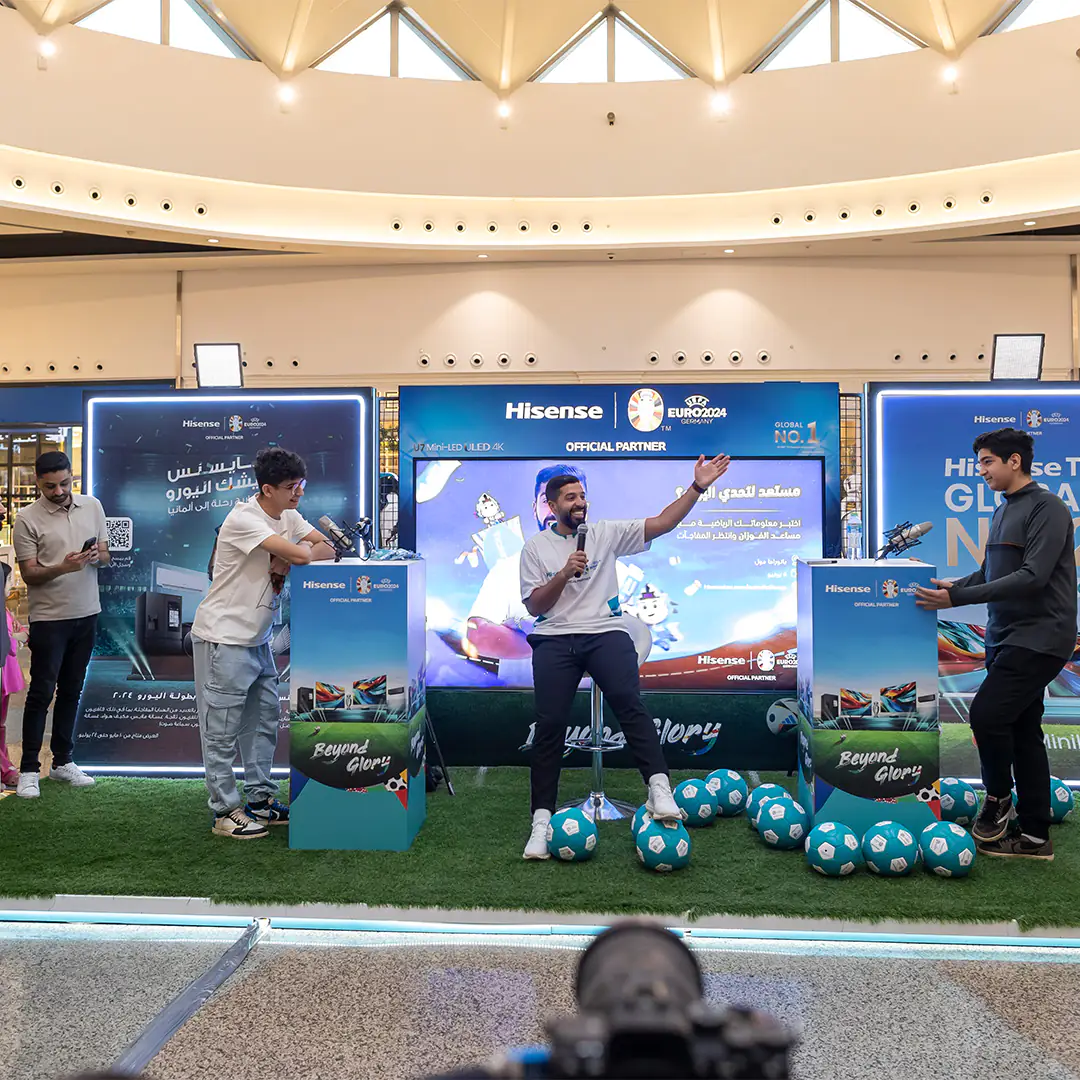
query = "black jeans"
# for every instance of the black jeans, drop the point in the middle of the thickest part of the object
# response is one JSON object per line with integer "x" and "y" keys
{"x": 59, "y": 654}
{"x": 1006, "y": 720}
{"x": 559, "y": 661}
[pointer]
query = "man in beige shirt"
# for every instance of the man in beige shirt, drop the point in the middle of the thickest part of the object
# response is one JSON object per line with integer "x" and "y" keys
{"x": 60, "y": 541}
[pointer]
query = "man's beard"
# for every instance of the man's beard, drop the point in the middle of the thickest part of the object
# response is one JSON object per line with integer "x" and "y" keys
{"x": 567, "y": 520}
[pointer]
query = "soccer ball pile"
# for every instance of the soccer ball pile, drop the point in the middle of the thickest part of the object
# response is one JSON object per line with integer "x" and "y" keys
{"x": 890, "y": 849}
{"x": 666, "y": 846}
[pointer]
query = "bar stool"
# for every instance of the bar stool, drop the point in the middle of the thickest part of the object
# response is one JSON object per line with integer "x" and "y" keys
{"x": 598, "y": 807}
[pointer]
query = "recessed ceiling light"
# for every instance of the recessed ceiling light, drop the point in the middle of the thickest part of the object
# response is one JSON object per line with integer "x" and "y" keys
{"x": 729, "y": 251}
{"x": 286, "y": 94}
{"x": 46, "y": 47}
{"x": 504, "y": 109}
{"x": 720, "y": 102}
{"x": 211, "y": 240}
{"x": 481, "y": 256}
{"x": 949, "y": 74}
{"x": 1030, "y": 223}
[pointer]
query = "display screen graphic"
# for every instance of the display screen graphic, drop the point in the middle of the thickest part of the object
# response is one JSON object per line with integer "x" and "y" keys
{"x": 898, "y": 699}
{"x": 854, "y": 702}
{"x": 717, "y": 593}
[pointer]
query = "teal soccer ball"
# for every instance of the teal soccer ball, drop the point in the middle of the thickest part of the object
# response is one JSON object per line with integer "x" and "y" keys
{"x": 572, "y": 837}
{"x": 762, "y": 791}
{"x": 947, "y": 849}
{"x": 730, "y": 791}
{"x": 959, "y": 801}
{"x": 1061, "y": 800}
{"x": 695, "y": 800}
{"x": 663, "y": 847}
{"x": 755, "y": 821}
{"x": 833, "y": 849}
{"x": 783, "y": 824}
{"x": 889, "y": 849}
{"x": 641, "y": 815}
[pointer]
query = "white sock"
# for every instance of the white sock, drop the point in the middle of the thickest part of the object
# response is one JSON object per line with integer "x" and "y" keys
{"x": 541, "y": 817}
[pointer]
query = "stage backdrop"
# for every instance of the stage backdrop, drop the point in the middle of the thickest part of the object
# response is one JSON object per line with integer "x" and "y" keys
{"x": 167, "y": 470}
{"x": 922, "y": 468}
{"x": 717, "y": 593}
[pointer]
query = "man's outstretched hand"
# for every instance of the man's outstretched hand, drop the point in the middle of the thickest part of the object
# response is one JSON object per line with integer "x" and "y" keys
{"x": 708, "y": 472}
{"x": 934, "y": 599}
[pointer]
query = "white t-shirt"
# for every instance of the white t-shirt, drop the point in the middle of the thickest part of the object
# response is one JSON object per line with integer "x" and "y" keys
{"x": 589, "y": 604}
{"x": 239, "y": 609}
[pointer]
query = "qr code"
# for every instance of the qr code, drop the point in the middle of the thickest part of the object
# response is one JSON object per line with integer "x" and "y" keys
{"x": 120, "y": 533}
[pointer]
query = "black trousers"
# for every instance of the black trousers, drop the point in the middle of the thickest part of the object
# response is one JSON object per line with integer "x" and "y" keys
{"x": 1006, "y": 720}
{"x": 59, "y": 654}
{"x": 559, "y": 661}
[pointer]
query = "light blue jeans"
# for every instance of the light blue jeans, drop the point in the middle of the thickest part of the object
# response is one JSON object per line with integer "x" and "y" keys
{"x": 236, "y": 691}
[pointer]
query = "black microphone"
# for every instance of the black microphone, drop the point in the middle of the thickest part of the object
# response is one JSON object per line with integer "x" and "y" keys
{"x": 582, "y": 531}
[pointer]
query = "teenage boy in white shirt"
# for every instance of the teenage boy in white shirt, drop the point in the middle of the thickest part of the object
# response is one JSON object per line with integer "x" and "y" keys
{"x": 574, "y": 597}
{"x": 236, "y": 679}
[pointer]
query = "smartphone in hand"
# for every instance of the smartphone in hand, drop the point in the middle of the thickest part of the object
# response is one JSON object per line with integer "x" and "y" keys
{"x": 91, "y": 543}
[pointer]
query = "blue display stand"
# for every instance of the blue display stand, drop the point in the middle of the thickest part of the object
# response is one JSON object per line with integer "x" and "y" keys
{"x": 868, "y": 693}
{"x": 357, "y": 705}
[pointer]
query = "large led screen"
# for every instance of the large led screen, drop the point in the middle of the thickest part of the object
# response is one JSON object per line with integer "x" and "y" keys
{"x": 718, "y": 592}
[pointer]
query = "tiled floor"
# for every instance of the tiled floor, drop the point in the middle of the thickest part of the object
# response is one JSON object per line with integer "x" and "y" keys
{"x": 333, "y": 1005}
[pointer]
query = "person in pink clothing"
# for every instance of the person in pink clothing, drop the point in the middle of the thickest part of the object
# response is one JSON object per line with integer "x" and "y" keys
{"x": 11, "y": 682}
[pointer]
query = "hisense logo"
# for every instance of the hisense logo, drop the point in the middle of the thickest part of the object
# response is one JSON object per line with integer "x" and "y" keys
{"x": 324, "y": 585}
{"x": 995, "y": 419}
{"x": 848, "y": 588}
{"x": 526, "y": 410}
{"x": 200, "y": 423}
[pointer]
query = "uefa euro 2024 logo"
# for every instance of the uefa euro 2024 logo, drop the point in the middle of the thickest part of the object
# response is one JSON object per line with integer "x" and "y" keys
{"x": 235, "y": 424}
{"x": 1034, "y": 418}
{"x": 645, "y": 409}
{"x": 890, "y": 590}
{"x": 363, "y": 585}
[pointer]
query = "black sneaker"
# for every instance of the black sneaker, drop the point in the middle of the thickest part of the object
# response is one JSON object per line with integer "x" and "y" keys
{"x": 268, "y": 812}
{"x": 993, "y": 820}
{"x": 1018, "y": 846}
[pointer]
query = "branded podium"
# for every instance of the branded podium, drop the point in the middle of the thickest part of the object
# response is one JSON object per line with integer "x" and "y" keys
{"x": 868, "y": 693}
{"x": 357, "y": 705}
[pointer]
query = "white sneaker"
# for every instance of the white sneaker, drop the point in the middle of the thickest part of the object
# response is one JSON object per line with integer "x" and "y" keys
{"x": 661, "y": 803}
{"x": 29, "y": 786}
{"x": 236, "y": 825}
{"x": 537, "y": 847}
{"x": 71, "y": 774}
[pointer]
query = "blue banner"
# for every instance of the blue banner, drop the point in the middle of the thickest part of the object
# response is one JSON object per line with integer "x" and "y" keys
{"x": 167, "y": 470}
{"x": 717, "y": 594}
{"x": 632, "y": 421}
{"x": 923, "y": 468}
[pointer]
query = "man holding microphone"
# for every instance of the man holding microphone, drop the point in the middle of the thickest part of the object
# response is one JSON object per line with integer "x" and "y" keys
{"x": 574, "y": 596}
{"x": 1028, "y": 583}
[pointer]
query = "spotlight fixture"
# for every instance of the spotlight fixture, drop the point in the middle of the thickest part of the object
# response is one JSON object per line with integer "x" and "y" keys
{"x": 481, "y": 256}
{"x": 286, "y": 95}
{"x": 950, "y": 75}
{"x": 503, "y": 110}
{"x": 1030, "y": 223}
{"x": 47, "y": 48}
{"x": 720, "y": 102}
{"x": 729, "y": 251}
{"x": 212, "y": 240}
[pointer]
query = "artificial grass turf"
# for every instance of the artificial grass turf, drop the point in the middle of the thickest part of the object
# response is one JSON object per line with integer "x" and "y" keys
{"x": 152, "y": 837}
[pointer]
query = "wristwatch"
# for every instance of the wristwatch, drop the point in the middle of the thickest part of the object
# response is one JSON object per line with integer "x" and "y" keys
{"x": 697, "y": 488}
